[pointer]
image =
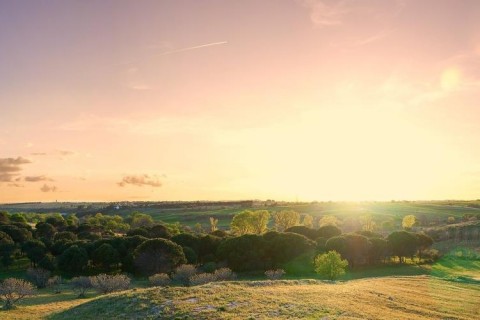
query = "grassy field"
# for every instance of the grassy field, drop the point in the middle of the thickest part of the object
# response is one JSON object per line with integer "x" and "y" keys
{"x": 450, "y": 286}
{"x": 419, "y": 297}
{"x": 200, "y": 214}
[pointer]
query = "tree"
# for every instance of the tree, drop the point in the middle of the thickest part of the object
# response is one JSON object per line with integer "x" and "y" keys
{"x": 402, "y": 244}
{"x": 285, "y": 219}
{"x": 45, "y": 230}
{"x": 330, "y": 265}
{"x": 250, "y": 222}
{"x": 73, "y": 260}
{"x": 139, "y": 220}
{"x": 213, "y": 224}
{"x": 310, "y": 233}
{"x": 13, "y": 290}
{"x": 328, "y": 220}
{"x": 328, "y": 231}
{"x": 423, "y": 243}
{"x": 307, "y": 221}
{"x": 367, "y": 223}
{"x": 409, "y": 221}
{"x": 377, "y": 250}
{"x": 241, "y": 223}
{"x": 7, "y": 247}
{"x": 105, "y": 256}
{"x": 159, "y": 231}
{"x": 35, "y": 251}
{"x": 158, "y": 256}
{"x": 38, "y": 277}
{"x": 81, "y": 285}
{"x": 4, "y": 217}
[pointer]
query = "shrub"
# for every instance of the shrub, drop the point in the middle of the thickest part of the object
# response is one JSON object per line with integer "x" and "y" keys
{"x": 275, "y": 274}
{"x": 104, "y": 283}
{"x": 38, "y": 276}
{"x": 209, "y": 267}
{"x": 431, "y": 254}
{"x": 13, "y": 290}
{"x": 201, "y": 278}
{"x": 159, "y": 280}
{"x": 55, "y": 282}
{"x": 81, "y": 285}
{"x": 224, "y": 274}
{"x": 330, "y": 265}
{"x": 183, "y": 273}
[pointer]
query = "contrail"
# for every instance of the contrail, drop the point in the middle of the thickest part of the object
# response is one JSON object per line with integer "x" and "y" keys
{"x": 195, "y": 47}
{"x": 172, "y": 52}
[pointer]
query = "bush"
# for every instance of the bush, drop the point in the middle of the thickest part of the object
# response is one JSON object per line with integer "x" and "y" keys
{"x": 275, "y": 274}
{"x": 55, "y": 282}
{"x": 38, "y": 277}
{"x": 13, "y": 290}
{"x": 201, "y": 278}
{"x": 224, "y": 274}
{"x": 81, "y": 285}
{"x": 330, "y": 265}
{"x": 209, "y": 267}
{"x": 431, "y": 254}
{"x": 104, "y": 283}
{"x": 183, "y": 274}
{"x": 159, "y": 280}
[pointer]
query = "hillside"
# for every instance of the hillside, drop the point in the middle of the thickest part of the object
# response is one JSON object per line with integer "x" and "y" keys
{"x": 419, "y": 297}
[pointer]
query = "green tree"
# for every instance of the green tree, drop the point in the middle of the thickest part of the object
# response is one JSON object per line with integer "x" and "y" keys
{"x": 158, "y": 256}
{"x": 409, "y": 221}
{"x": 285, "y": 219}
{"x": 73, "y": 260}
{"x": 35, "y": 251}
{"x": 105, "y": 256}
{"x": 7, "y": 247}
{"x": 402, "y": 244}
{"x": 250, "y": 222}
{"x": 139, "y": 220}
{"x": 330, "y": 265}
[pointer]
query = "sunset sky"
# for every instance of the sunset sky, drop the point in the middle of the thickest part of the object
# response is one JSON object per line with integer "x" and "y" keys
{"x": 215, "y": 100}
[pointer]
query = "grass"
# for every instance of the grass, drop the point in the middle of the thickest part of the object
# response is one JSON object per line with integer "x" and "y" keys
{"x": 440, "y": 286}
{"x": 419, "y": 297}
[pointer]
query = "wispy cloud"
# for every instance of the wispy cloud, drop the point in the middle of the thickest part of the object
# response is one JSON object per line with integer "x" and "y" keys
{"x": 48, "y": 188}
{"x": 140, "y": 181}
{"x": 334, "y": 13}
{"x": 10, "y": 168}
{"x": 324, "y": 14}
{"x": 37, "y": 178}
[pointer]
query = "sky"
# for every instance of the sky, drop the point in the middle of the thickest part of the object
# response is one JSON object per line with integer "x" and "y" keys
{"x": 222, "y": 100}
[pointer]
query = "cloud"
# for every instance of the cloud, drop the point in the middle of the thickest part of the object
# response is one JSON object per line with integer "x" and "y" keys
{"x": 140, "y": 180}
{"x": 65, "y": 152}
{"x": 324, "y": 14}
{"x": 16, "y": 185}
{"x": 10, "y": 168}
{"x": 47, "y": 188}
{"x": 334, "y": 13}
{"x": 37, "y": 178}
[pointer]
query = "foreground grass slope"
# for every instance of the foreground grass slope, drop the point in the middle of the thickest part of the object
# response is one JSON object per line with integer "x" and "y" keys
{"x": 419, "y": 297}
